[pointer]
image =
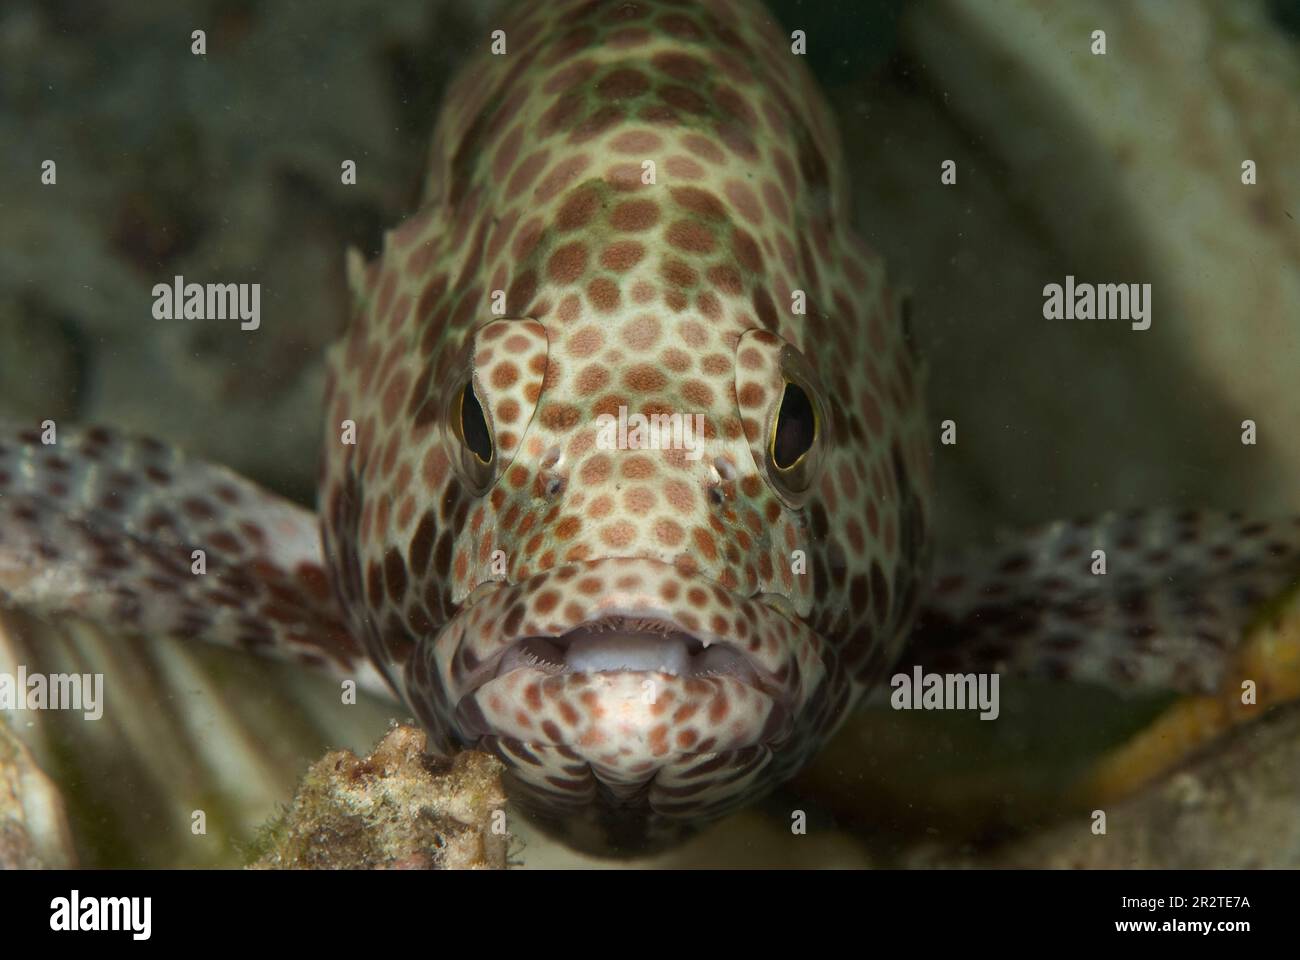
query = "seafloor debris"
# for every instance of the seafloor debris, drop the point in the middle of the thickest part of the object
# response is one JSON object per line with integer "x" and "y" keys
{"x": 1214, "y": 813}
{"x": 34, "y": 831}
{"x": 187, "y": 729}
{"x": 394, "y": 809}
{"x": 1027, "y": 793}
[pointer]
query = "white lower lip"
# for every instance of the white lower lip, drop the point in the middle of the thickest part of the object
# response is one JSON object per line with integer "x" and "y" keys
{"x": 612, "y": 651}
{"x": 601, "y": 653}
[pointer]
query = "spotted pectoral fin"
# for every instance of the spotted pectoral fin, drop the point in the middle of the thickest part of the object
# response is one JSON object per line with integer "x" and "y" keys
{"x": 133, "y": 535}
{"x": 1143, "y": 602}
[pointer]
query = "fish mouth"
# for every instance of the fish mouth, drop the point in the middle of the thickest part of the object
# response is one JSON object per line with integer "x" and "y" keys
{"x": 614, "y": 626}
{"x": 634, "y": 645}
{"x": 625, "y": 681}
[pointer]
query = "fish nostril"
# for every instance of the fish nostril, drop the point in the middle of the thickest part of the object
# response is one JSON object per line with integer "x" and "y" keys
{"x": 780, "y": 604}
{"x": 554, "y": 482}
{"x": 723, "y": 473}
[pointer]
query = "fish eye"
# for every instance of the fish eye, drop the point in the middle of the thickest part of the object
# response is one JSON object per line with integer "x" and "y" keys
{"x": 484, "y": 416}
{"x": 785, "y": 415}
{"x": 474, "y": 429}
{"x": 795, "y": 428}
{"x": 795, "y": 442}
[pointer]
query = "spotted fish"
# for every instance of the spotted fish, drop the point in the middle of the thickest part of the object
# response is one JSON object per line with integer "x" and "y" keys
{"x": 627, "y": 470}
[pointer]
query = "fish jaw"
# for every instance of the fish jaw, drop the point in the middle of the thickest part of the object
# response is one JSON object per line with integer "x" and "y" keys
{"x": 630, "y": 677}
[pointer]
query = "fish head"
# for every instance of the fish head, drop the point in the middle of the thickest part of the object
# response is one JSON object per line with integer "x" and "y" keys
{"x": 609, "y": 575}
{"x": 627, "y": 622}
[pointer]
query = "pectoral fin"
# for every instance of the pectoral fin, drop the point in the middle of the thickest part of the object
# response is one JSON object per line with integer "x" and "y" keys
{"x": 1142, "y": 602}
{"x": 134, "y": 536}
{"x": 1155, "y": 600}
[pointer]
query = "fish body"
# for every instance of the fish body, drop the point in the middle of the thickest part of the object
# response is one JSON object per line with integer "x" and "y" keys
{"x": 638, "y": 209}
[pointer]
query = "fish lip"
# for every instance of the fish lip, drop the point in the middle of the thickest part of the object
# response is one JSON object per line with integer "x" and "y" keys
{"x": 786, "y": 667}
{"x": 761, "y": 679}
{"x": 757, "y": 677}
